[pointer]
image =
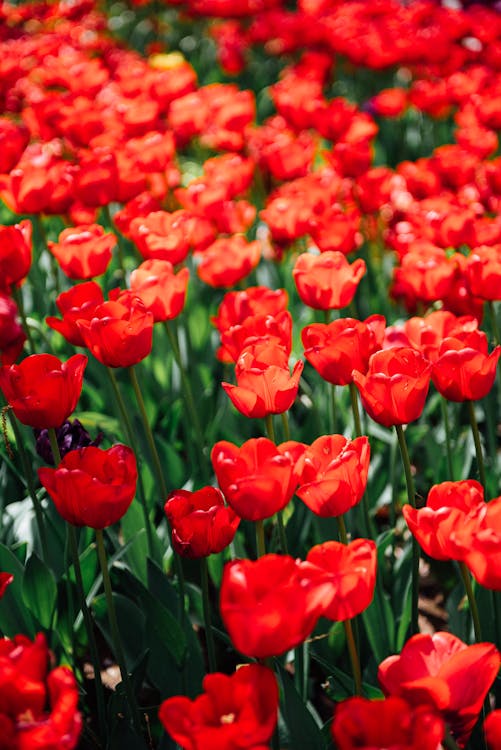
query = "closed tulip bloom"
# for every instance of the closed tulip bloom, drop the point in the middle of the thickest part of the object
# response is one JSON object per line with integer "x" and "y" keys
{"x": 264, "y": 382}
{"x": 234, "y": 712}
{"x": 15, "y": 254}
{"x": 483, "y": 271}
{"x": 452, "y": 513}
{"x": 257, "y": 479}
{"x": 162, "y": 291}
{"x": 362, "y": 724}
{"x": 394, "y": 390}
{"x": 349, "y": 576}
{"x": 269, "y": 605}
{"x": 344, "y": 345}
{"x": 327, "y": 281}
{"x": 38, "y": 707}
{"x": 332, "y": 474}
{"x": 492, "y": 730}
{"x": 257, "y": 329}
{"x": 76, "y": 304}
{"x": 443, "y": 671}
{"x": 92, "y": 487}
{"x": 12, "y": 336}
{"x": 120, "y": 333}
{"x": 464, "y": 370}
{"x": 42, "y": 390}
{"x": 228, "y": 260}
{"x": 201, "y": 523}
{"x": 5, "y": 580}
{"x": 84, "y": 251}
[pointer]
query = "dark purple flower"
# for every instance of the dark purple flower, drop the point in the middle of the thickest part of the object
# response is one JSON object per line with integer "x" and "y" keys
{"x": 70, "y": 436}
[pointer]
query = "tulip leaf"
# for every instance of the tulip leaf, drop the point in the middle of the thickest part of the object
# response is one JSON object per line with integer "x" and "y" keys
{"x": 379, "y": 623}
{"x": 14, "y": 617}
{"x": 304, "y": 730}
{"x": 39, "y": 590}
{"x": 131, "y": 623}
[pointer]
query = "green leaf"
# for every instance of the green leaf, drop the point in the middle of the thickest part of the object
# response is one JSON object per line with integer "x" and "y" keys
{"x": 134, "y": 533}
{"x": 14, "y": 617}
{"x": 39, "y": 590}
{"x": 379, "y": 623}
{"x": 131, "y": 624}
{"x": 304, "y": 731}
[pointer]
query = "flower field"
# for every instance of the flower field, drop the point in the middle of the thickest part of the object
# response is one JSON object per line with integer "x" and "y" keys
{"x": 250, "y": 273}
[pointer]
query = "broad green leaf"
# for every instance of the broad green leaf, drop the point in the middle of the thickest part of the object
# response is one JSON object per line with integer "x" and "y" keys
{"x": 39, "y": 590}
{"x": 304, "y": 731}
{"x": 14, "y": 617}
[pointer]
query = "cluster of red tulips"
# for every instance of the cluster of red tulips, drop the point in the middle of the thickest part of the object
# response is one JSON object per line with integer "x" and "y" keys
{"x": 243, "y": 550}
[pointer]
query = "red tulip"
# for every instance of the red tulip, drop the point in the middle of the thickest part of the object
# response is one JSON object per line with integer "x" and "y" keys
{"x": 361, "y": 724}
{"x": 120, "y": 333}
{"x": 269, "y": 606}
{"x": 235, "y": 712}
{"x": 201, "y": 523}
{"x": 15, "y": 254}
{"x": 492, "y": 730}
{"x": 349, "y": 576}
{"x": 332, "y": 474}
{"x": 12, "y": 336}
{"x": 327, "y": 281}
{"x": 228, "y": 260}
{"x": 396, "y": 385}
{"x": 5, "y": 580}
{"x": 42, "y": 390}
{"x": 344, "y": 345}
{"x": 257, "y": 479}
{"x": 92, "y": 487}
{"x": 38, "y": 708}
{"x": 84, "y": 251}
{"x": 464, "y": 371}
{"x": 264, "y": 383}
{"x": 452, "y": 513}
{"x": 162, "y": 291}
{"x": 442, "y": 670}
{"x": 77, "y": 304}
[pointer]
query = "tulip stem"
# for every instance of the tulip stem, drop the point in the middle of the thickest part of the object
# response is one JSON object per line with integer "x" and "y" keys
{"x": 120, "y": 253}
{"x": 130, "y": 436}
{"x": 268, "y": 420}
{"x": 188, "y": 396}
{"x": 343, "y": 535}
{"x": 260, "y": 543}
{"x": 285, "y": 424}
{"x": 73, "y": 545}
{"x": 478, "y": 444}
{"x": 209, "y": 637}
{"x": 37, "y": 220}
{"x": 411, "y": 497}
{"x": 494, "y": 322}
{"x": 445, "y": 415}
{"x": 355, "y": 661}
{"x": 466, "y": 578}
{"x": 17, "y": 296}
{"x": 449, "y": 742}
{"x": 115, "y": 632}
{"x": 368, "y": 531}
{"x": 39, "y": 514}
{"x": 301, "y": 654}
{"x": 148, "y": 432}
{"x": 270, "y": 430}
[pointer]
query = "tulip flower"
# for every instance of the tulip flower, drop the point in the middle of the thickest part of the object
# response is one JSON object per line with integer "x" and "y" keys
{"x": 120, "y": 333}
{"x": 492, "y": 730}
{"x": 269, "y": 606}
{"x": 228, "y": 260}
{"x": 235, "y": 711}
{"x": 76, "y": 304}
{"x": 361, "y": 724}
{"x": 394, "y": 390}
{"x": 92, "y": 487}
{"x": 464, "y": 370}
{"x": 344, "y": 345}
{"x": 38, "y": 708}
{"x": 15, "y": 254}
{"x": 84, "y": 251}
{"x": 42, "y": 390}
{"x": 442, "y": 670}
{"x": 5, "y": 580}
{"x": 327, "y": 281}
{"x": 349, "y": 576}
{"x": 201, "y": 523}
{"x": 12, "y": 336}
{"x": 332, "y": 474}
{"x": 257, "y": 479}
{"x": 162, "y": 291}
{"x": 264, "y": 383}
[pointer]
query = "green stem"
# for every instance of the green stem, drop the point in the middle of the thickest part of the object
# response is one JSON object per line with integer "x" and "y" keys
{"x": 37, "y": 219}
{"x": 478, "y": 444}
{"x": 411, "y": 497}
{"x": 73, "y": 546}
{"x": 120, "y": 253}
{"x": 28, "y": 475}
{"x": 17, "y": 296}
{"x": 280, "y": 519}
{"x": 448, "y": 444}
{"x": 115, "y": 633}
{"x": 260, "y": 542}
{"x": 449, "y": 742}
{"x": 494, "y": 322}
{"x": 268, "y": 420}
{"x": 332, "y": 396}
{"x": 355, "y": 661}
{"x": 131, "y": 438}
{"x": 188, "y": 397}
{"x": 149, "y": 434}
{"x": 367, "y": 522}
{"x": 343, "y": 535}
{"x": 209, "y": 636}
{"x": 285, "y": 424}
{"x": 466, "y": 578}
{"x": 301, "y": 654}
